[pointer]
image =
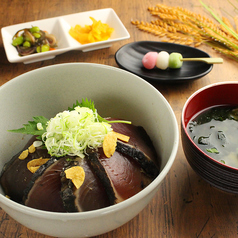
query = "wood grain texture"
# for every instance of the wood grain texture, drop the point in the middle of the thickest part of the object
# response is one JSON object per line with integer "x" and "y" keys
{"x": 185, "y": 205}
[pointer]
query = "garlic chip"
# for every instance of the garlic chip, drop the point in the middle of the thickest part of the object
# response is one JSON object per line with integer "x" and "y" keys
{"x": 76, "y": 174}
{"x": 122, "y": 137}
{"x": 34, "y": 165}
{"x": 32, "y": 148}
{"x": 23, "y": 155}
{"x": 109, "y": 144}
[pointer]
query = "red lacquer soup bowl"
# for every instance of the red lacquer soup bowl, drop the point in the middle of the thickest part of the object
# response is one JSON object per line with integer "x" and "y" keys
{"x": 214, "y": 172}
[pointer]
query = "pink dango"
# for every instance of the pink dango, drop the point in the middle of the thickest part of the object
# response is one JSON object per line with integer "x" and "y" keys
{"x": 149, "y": 60}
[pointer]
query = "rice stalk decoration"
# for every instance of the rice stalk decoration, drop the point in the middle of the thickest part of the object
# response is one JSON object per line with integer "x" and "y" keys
{"x": 181, "y": 26}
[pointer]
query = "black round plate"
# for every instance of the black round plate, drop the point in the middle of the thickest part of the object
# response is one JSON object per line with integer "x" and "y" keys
{"x": 129, "y": 57}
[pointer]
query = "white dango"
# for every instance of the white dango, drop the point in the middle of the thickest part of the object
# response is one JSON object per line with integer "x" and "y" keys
{"x": 162, "y": 60}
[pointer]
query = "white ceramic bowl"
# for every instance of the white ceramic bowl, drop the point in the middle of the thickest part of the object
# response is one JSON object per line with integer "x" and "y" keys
{"x": 117, "y": 93}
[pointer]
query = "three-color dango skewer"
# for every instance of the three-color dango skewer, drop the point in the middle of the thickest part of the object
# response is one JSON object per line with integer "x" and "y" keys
{"x": 164, "y": 60}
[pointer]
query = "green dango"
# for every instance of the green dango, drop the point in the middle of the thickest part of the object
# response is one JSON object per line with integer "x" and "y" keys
{"x": 175, "y": 60}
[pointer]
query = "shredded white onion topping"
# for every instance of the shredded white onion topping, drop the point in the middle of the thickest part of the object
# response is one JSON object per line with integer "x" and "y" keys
{"x": 71, "y": 132}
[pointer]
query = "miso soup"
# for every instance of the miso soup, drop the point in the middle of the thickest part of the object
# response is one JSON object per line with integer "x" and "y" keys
{"x": 215, "y": 131}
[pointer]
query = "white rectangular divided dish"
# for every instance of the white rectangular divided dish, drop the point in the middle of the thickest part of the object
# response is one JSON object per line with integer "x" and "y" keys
{"x": 59, "y": 26}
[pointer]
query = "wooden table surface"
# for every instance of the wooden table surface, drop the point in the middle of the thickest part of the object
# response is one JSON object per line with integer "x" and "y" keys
{"x": 185, "y": 205}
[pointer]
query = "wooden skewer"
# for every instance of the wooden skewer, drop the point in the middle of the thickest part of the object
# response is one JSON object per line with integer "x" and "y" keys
{"x": 206, "y": 60}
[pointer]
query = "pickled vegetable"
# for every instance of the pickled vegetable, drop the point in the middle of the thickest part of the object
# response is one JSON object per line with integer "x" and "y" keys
{"x": 33, "y": 40}
{"x": 98, "y": 31}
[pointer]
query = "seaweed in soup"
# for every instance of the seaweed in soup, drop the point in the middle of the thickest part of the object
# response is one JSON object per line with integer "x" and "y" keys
{"x": 215, "y": 131}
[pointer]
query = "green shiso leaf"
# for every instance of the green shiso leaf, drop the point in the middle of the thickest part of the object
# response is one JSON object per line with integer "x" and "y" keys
{"x": 31, "y": 128}
{"x": 89, "y": 104}
{"x": 85, "y": 103}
